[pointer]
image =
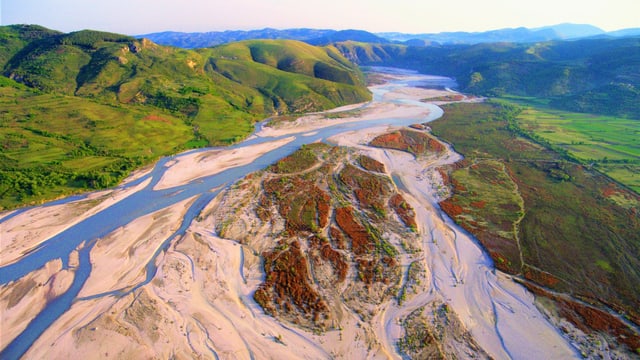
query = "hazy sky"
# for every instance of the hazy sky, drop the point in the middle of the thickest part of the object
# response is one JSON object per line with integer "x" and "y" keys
{"x": 411, "y": 16}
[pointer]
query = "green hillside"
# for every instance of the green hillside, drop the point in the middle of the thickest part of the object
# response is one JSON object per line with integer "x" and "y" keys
{"x": 274, "y": 67}
{"x": 100, "y": 104}
{"x": 53, "y": 145}
{"x": 14, "y": 38}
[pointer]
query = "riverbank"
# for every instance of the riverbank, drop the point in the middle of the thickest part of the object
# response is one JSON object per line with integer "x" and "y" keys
{"x": 489, "y": 304}
{"x": 383, "y": 108}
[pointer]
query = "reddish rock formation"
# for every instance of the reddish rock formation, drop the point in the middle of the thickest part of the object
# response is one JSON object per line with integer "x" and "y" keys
{"x": 404, "y": 210}
{"x": 370, "y": 164}
{"x": 414, "y": 142}
{"x": 286, "y": 288}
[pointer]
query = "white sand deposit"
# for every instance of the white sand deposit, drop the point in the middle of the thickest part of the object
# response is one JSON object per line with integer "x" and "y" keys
{"x": 193, "y": 166}
{"x": 26, "y": 231}
{"x": 499, "y": 313}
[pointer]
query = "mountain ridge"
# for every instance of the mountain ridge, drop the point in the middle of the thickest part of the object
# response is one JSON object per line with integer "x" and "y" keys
{"x": 587, "y": 75}
{"x": 564, "y": 31}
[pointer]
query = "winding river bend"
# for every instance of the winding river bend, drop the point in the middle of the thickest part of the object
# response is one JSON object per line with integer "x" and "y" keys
{"x": 492, "y": 306}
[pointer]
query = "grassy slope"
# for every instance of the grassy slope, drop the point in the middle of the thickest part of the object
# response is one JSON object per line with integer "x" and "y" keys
{"x": 54, "y": 145}
{"x": 579, "y": 232}
{"x": 257, "y": 62}
{"x": 97, "y": 89}
{"x": 608, "y": 143}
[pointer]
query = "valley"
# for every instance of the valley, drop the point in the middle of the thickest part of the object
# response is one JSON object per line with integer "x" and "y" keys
{"x": 370, "y": 215}
{"x": 183, "y": 251}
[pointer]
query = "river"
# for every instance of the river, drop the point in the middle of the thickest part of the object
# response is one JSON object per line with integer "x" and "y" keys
{"x": 84, "y": 235}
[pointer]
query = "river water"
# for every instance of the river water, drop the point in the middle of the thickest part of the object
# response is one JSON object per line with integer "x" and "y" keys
{"x": 148, "y": 200}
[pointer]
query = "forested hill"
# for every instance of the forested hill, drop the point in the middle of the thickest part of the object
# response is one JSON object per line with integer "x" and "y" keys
{"x": 590, "y": 75}
{"x": 81, "y": 110}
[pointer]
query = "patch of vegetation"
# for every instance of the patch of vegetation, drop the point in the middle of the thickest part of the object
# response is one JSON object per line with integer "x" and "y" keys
{"x": 322, "y": 251}
{"x": 370, "y": 164}
{"x": 573, "y": 216}
{"x": 303, "y": 205}
{"x": 414, "y": 142}
{"x": 301, "y": 160}
{"x": 375, "y": 257}
{"x": 487, "y": 203}
{"x": 437, "y": 333}
{"x": 286, "y": 290}
{"x": 415, "y": 272}
{"x": 451, "y": 97}
{"x": 589, "y": 318}
{"x": 610, "y": 144}
{"x": 369, "y": 189}
{"x": 404, "y": 211}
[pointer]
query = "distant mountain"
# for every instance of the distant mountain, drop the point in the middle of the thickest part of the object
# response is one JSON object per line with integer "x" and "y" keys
{"x": 207, "y": 39}
{"x": 310, "y": 36}
{"x": 348, "y": 35}
{"x": 571, "y": 31}
{"x": 519, "y": 35}
{"x": 326, "y": 36}
{"x": 625, "y": 32}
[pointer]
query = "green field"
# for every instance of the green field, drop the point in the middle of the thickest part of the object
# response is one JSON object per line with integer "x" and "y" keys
{"x": 577, "y": 231}
{"x": 487, "y": 201}
{"x": 609, "y": 144}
